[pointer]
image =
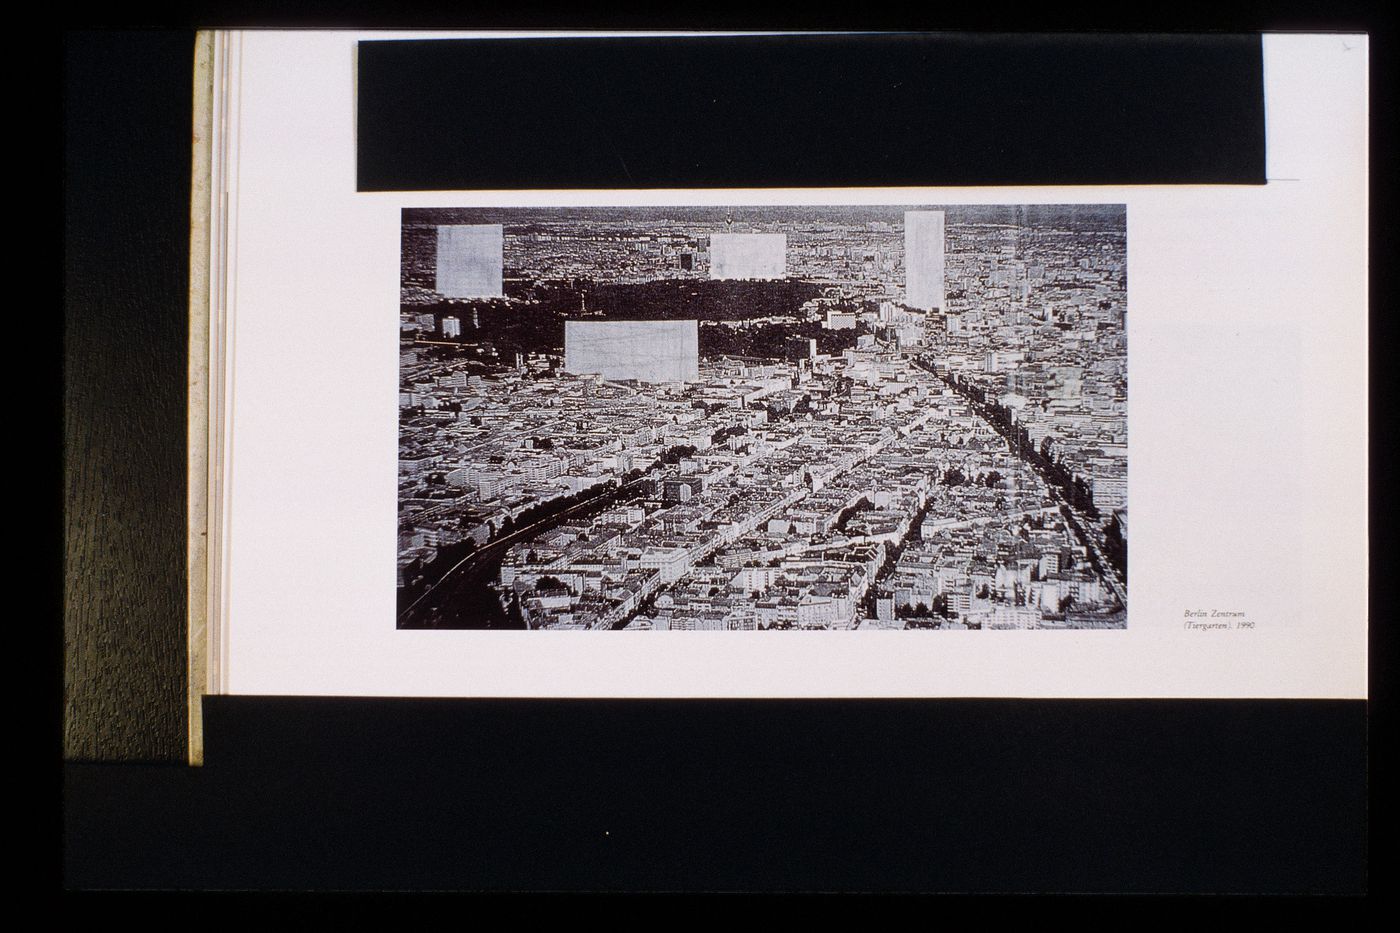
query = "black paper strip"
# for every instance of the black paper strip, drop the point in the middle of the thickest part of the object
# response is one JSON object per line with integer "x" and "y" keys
{"x": 810, "y": 111}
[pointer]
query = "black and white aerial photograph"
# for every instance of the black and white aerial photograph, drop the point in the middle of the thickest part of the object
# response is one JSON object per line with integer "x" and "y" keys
{"x": 750, "y": 418}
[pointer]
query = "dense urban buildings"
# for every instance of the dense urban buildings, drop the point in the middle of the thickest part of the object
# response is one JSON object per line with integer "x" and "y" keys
{"x": 469, "y": 260}
{"x": 624, "y": 441}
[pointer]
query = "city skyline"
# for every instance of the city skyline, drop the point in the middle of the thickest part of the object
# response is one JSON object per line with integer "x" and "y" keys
{"x": 832, "y": 455}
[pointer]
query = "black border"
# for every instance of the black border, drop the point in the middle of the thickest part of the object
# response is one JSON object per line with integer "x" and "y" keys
{"x": 884, "y": 796}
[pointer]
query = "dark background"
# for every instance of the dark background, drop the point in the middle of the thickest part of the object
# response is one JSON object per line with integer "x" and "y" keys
{"x": 810, "y": 111}
{"x": 947, "y": 795}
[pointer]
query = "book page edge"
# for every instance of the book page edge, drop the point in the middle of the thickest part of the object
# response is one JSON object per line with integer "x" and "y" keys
{"x": 197, "y": 384}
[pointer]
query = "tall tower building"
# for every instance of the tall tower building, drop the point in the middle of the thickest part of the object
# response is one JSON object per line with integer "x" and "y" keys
{"x": 923, "y": 260}
{"x": 470, "y": 259}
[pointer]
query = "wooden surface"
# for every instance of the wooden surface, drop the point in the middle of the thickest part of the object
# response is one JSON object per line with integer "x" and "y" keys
{"x": 126, "y": 233}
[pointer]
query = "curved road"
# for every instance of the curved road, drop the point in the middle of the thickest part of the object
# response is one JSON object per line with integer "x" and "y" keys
{"x": 500, "y": 545}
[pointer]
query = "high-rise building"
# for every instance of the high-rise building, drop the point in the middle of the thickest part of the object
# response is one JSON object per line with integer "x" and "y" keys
{"x": 645, "y": 351}
{"x": 470, "y": 259}
{"x": 923, "y": 260}
{"x": 836, "y": 319}
{"x": 451, "y": 327}
{"x": 748, "y": 255}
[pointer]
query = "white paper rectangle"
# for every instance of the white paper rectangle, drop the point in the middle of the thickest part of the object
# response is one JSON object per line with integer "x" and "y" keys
{"x": 1247, "y": 430}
